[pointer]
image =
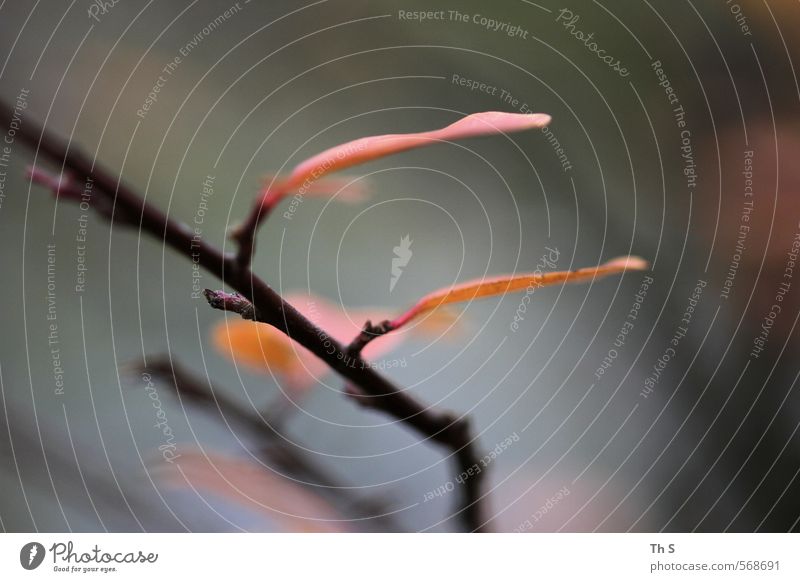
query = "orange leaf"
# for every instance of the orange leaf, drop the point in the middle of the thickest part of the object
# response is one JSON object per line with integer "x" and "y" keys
{"x": 511, "y": 283}
{"x": 263, "y": 349}
{"x": 256, "y": 345}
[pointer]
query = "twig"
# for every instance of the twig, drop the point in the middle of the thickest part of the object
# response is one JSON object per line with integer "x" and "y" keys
{"x": 245, "y": 233}
{"x": 369, "y": 333}
{"x": 277, "y": 449}
{"x": 230, "y": 302}
{"x": 269, "y": 307}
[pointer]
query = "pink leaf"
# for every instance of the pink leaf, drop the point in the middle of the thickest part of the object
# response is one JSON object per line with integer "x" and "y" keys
{"x": 370, "y": 148}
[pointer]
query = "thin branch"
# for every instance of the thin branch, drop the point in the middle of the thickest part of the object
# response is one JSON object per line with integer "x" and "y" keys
{"x": 245, "y": 233}
{"x": 288, "y": 456}
{"x": 369, "y": 333}
{"x": 269, "y": 307}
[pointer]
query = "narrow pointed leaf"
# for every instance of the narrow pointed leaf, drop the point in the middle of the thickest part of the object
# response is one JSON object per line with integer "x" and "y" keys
{"x": 370, "y": 148}
{"x": 510, "y": 283}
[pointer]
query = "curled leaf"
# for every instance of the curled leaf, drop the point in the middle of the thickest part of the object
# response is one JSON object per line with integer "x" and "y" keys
{"x": 510, "y": 283}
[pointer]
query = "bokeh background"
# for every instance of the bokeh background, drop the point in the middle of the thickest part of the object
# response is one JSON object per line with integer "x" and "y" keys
{"x": 712, "y": 447}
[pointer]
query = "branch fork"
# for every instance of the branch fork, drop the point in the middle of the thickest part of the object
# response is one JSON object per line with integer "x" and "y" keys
{"x": 369, "y": 333}
{"x": 254, "y": 300}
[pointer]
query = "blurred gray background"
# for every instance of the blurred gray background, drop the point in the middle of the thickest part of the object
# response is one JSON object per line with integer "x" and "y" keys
{"x": 713, "y": 447}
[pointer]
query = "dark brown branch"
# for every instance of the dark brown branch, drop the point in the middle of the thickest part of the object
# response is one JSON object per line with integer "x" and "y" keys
{"x": 356, "y": 395}
{"x": 277, "y": 449}
{"x": 269, "y": 307}
{"x": 245, "y": 234}
{"x": 368, "y": 333}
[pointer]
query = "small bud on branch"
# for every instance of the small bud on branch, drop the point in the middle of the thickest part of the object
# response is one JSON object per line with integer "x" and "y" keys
{"x": 230, "y": 302}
